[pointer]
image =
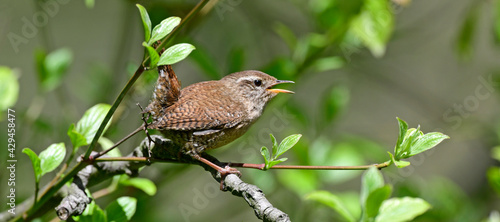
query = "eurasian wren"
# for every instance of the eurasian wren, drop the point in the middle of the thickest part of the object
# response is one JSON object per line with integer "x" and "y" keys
{"x": 207, "y": 115}
{"x": 210, "y": 114}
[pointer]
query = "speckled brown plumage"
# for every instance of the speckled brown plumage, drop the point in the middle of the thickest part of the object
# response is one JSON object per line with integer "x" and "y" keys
{"x": 210, "y": 114}
{"x": 166, "y": 93}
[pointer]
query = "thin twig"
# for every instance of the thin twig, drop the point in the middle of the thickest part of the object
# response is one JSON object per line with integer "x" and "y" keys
{"x": 250, "y": 165}
{"x": 58, "y": 175}
{"x": 302, "y": 167}
{"x": 119, "y": 142}
{"x": 101, "y": 193}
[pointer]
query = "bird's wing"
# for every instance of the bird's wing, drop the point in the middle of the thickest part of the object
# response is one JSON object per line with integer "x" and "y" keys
{"x": 201, "y": 110}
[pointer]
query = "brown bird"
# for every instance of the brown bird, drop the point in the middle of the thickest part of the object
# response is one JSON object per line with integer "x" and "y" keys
{"x": 208, "y": 115}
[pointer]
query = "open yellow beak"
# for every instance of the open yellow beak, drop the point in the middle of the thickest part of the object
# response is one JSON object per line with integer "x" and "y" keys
{"x": 280, "y": 90}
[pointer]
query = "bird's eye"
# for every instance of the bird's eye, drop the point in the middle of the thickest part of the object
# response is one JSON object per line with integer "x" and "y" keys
{"x": 257, "y": 82}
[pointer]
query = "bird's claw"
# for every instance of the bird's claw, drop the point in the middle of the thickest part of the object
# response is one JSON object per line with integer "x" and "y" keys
{"x": 226, "y": 171}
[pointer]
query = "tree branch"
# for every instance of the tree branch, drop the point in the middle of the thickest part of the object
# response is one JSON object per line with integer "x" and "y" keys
{"x": 165, "y": 151}
{"x": 254, "y": 196}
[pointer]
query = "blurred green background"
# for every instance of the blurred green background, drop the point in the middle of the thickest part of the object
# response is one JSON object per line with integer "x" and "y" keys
{"x": 433, "y": 63}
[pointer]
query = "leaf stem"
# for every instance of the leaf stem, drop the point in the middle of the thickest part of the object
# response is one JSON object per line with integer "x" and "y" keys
{"x": 37, "y": 188}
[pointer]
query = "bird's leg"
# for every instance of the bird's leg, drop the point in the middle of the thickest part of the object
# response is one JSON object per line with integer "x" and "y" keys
{"x": 145, "y": 120}
{"x": 223, "y": 171}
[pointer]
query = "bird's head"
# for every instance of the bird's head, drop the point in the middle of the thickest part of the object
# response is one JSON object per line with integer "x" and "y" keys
{"x": 254, "y": 88}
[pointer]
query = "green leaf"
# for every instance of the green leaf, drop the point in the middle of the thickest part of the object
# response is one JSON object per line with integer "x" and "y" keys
{"x": 403, "y": 127}
{"x": 90, "y": 3}
{"x": 328, "y": 63}
{"x": 299, "y": 181}
{"x": 52, "y": 157}
{"x": 122, "y": 209}
{"x": 426, "y": 142}
{"x": 91, "y": 120}
{"x": 164, "y": 28}
{"x": 467, "y": 33}
{"x": 9, "y": 88}
{"x": 175, "y": 53}
{"x": 281, "y": 68}
{"x": 335, "y": 102}
{"x": 496, "y": 27}
{"x": 274, "y": 162}
{"x": 143, "y": 184}
{"x": 318, "y": 40}
{"x": 410, "y": 137}
{"x": 35, "y": 161}
{"x": 301, "y": 51}
{"x": 398, "y": 163}
{"x": 375, "y": 199}
{"x": 374, "y": 25}
{"x": 106, "y": 144}
{"x": 77, "y": 139}
{"x": 275, "y": 144}
{"x": 267, "y": 156}
{"x": 392, "y": 160}
{"x": 495, "y": 153}
{"x": 401, "y": 209}
{"x": 493, "y": 175}
{"x": 332, "y": 201}
{"x": 146, "y": 22}
{"x": 55, "y": 64}
{"x": 372, "y": 179}
{"x": 153, "y": 55}
{"x": 286, "y": 34}
{"x": 40, "y": 56}
{"x": 91, "y": 207}
{"x": 287, "y": 144}
{"x": 401, "y": 163}
{"x": 98, "y": 216}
